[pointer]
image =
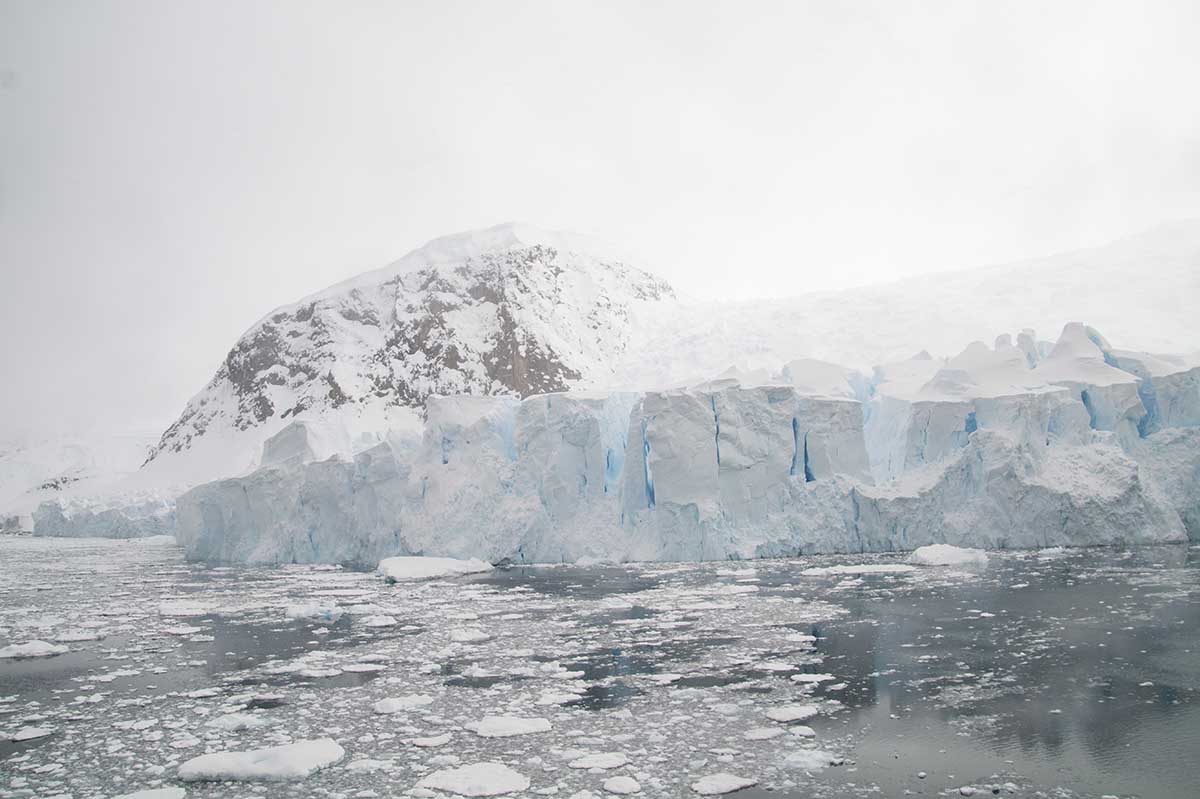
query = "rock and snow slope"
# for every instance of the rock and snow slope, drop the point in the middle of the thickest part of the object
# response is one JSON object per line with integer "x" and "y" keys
{"x": 789, "y": 453}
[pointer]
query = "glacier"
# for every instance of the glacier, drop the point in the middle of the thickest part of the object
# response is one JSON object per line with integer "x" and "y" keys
{"x": 1013, "y": 445}
{"x": 522, "y": 395}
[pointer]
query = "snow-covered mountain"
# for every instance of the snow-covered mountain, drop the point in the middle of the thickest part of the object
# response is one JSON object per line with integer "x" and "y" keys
{"x": 517, "y": 310}
{"x": 508, "y": 310}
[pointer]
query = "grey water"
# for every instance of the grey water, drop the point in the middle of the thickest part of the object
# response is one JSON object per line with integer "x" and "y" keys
{"x": 1062, "y": 674}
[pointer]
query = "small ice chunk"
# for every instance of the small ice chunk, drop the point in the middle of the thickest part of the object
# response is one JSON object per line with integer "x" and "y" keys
{"x": 378, "y": 620}
{"x": 811, "y": 759}
{"x": 397, "y": 704}
{"x": 468, "y": 635}
{"x": 30, "y": 733}
{"x": 763, "y": 733}
{"x": 231, "y": 722}
{"x": 812, "y": 678}
{"x": 947, "y": 555}
{"x": 600, "y": 760}
{"x": 288, "y": 762}
{"x": 861, "y": 568}
{"x": 33, "y": 649}
{"x": 506, "y": 726}
{"x": 622, "y": 785}
{"x": 315, "y": 611}
{"x": 398, "y": 569}
{"x": 715, "y": 784}
{"x": 476, "y": 779}
{"x": 431, "y": 741}
{"x": 792, "y": 712}
{"x": 155, "y": 793}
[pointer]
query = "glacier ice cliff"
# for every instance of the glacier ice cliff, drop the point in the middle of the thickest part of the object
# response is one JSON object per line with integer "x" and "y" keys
{"x": 1013, "y": 445}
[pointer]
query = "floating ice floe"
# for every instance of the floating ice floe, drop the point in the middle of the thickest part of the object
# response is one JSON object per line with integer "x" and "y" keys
{"x": 398, "y": 704}
{"x": 33, "y": 649}
{"x": 319, "y": 612}
{"x": 946, "y": 555}
{"x": 786, "y": 713}
{"x": 811, "y": 678}
{"x": 603, "y": 760}
{"x": 477, "y": 779}
{"x": 31, "y": 733}
{"x": 859, "y": 568}
{"x": 715, "y": 784}
{"x": 400, "y": 569}
{"x": 506, "y": 726}
{"x": 231, "y": 722}
{"x": 811, "y": 759}
{"x": 155, "y": 793}
{"x": 468, "y": 635}
{"x": 622, "y": 785}
{"x": 288, "y": 762}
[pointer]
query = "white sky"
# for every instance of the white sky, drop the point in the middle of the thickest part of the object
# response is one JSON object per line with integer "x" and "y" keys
{"x": 170, "y": 171}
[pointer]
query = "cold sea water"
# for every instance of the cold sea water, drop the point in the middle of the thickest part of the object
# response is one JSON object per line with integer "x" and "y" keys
{"x": 1061, "y": 673}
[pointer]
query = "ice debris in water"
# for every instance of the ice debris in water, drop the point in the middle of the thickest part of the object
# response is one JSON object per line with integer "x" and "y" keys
{"x": 400, "y": 569}
{"x": 32, "y": 649}
{"x": 287, "y": 762}
{"x": 715, "y": 784}
{"x": 947, "y": 555}
{"x": 506, "y": 726}
{"x": 477, "y": 779}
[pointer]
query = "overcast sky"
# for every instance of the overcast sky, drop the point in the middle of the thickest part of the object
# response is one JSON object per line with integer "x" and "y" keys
{"x": 170, "y": 171}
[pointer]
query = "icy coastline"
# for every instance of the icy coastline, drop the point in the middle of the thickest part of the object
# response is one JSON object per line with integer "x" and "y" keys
{"x": 1001, "y": 447}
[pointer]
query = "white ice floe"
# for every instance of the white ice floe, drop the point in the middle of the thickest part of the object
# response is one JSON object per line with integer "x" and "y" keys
{"x": 811, "y": 759}
{"x": 231, "y": 722}
{"x": 476, "y": 779}
{"x": 155, "y": 793}
{"x": 32, "y": 649}
{"x": 287, "y": 762}
{"x": 600, "y": 760}
{"x": 811, "y": 678}
{"x": 30, "y": 733}
{"x": 793, "y": 712}
{"x": 947, "y": 555}
{"x": 622, "y": 785}
{"x": 506, "y": 726}
{"x": 398, "y": 704}
{"x": 400, "y": 569}
{"x": 468, "y": 635}
{"x": 378, "y": 620}
{"x": 763, "y": 733}
{"x": 860, "y": 568}
{"x": 314, "y": 611}
{"x": 715, "y": 784}
{"x": 430, "y": 741}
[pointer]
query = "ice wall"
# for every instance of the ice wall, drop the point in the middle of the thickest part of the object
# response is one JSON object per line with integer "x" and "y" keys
{"x": 1020, "y": 445}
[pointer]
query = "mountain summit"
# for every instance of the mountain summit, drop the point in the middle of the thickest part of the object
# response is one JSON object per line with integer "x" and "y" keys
{"x": 507, "y": 310}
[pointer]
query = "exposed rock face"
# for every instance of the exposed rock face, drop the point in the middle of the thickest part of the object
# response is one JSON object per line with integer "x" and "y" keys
{"x": 508, "y": 311}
